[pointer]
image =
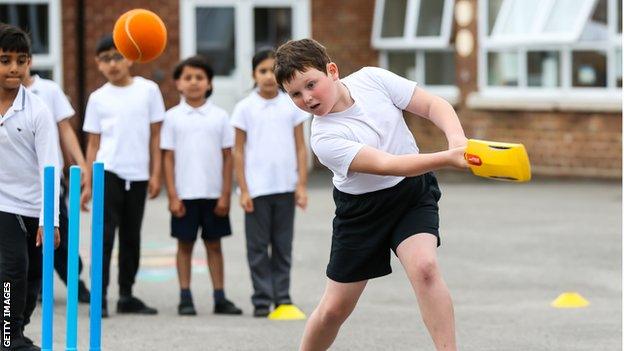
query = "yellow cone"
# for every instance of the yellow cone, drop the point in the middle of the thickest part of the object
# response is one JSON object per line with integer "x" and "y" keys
{"x": 287, "y": 312}
{"x": 570, "y": 300}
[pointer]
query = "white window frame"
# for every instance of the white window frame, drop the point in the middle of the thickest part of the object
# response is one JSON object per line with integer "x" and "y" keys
{"x": 53, "y": 59}
{"x": 409, "y": 40}
{"x": 417, "y": 45}
{"x": 564, "y": 97}
{"x": 535, "y": 33}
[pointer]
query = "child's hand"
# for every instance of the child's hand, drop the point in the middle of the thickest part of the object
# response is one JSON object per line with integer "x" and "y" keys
{"x": 85, "y": 197}
{"x": 301, "y": 197}
{"x": 223, "y": 206}
{"x": 246, "y": 202}
{"x": 176, "y": 207}
{"x": 457, "y": 158}
{"x": 39, "y": 239}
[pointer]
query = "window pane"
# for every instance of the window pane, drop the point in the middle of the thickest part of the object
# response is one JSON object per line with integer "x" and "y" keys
{"x": 618, "y": 67}
{"x": 521, "y": 19}
{"x": 439, "y": 68}
{"x": 493, "y": 9}
{"x": 430, "y": 18}
{"x": 403, "y": 63}
{"x": 618, "y": 7}
{"x": 33, "y": 18}
{"x": 563, "y": 16}
{"x": 43, "y": 73}
{"x": 596, "y": 28}
{"x": 215, "y": 37}
{"x": 503, "y": 68}
{"x": 393, "y": 18}
{"x": 272, "y": 26}
{"x": 543, "y": 69}
{"x": 589, "y": 69}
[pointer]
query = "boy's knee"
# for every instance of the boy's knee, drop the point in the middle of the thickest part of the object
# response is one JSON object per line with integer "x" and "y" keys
{"x": 213, "y": 246}
{"x": 426, "y": 270}
{"x": 334, "y": 314}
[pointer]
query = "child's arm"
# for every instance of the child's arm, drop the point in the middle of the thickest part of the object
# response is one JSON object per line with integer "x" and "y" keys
{"x": 441, "y": 113}
{"x": 176, "y": 206}
{"x": 374, "y": 161}
{"x": 301, "y": 196}
{"x": 223, "y": 205}
{"x": 153, "y": 187}
{"x": 239, "y": 166}
{"x": 93, "y": 145}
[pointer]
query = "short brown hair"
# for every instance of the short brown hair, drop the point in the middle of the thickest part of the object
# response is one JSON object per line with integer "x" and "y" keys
{"x": 298, "y": 56}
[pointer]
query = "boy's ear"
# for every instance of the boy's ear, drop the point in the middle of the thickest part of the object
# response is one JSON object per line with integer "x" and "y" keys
{"x": 332, "y": 71}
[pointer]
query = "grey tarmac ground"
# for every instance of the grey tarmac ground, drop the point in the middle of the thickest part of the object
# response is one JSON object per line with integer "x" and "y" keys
{"x": 508, "y": 251}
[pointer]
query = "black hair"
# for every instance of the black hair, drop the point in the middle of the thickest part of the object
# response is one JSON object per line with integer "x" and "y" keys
{"x": 260, "y": 56}
{"x": 14, "y": 39}
{"x": 106, "y": 43}
{"x": 195, "y": 62}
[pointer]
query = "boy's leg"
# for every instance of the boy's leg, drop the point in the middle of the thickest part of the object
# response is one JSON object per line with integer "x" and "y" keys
{"x": 215, "y": 262}
{"x": 336, "y": 305}
{"x": 130, "y": 236}
{"x": 257, "y": 233}
{"x": 35, "y": 268}
{"x": 283, "y": 222}
{"x": 13, "y": 273}
{"x": 419, "y": 259}
{"x": 113, "y": 207}
{"x": 183, "y": 263}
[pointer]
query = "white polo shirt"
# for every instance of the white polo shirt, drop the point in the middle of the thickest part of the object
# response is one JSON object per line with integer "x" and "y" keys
{"x": 270, "y": 151}
{"x": 197, "y": 136}
{"x": 54, "y": 98}
{"x": 122, "y": 116}
{"x": 375, "y": 119}
{"x": 28, "y": 143}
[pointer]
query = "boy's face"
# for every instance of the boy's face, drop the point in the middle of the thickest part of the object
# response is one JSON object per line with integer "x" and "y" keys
{"x": 13, "y": 68}
{"x": 314, "y": 91}
{"x": 193, "y": 83}
{"x": 113, "y": 65}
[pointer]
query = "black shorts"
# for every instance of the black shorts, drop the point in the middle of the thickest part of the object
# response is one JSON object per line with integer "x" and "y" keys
{"x": 200, "y": 212}
{"x": 369, "y": 225}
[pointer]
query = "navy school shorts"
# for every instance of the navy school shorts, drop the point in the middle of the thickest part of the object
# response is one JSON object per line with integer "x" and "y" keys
{"x": 367, "y": 226}
{"x": 200, "y": 213}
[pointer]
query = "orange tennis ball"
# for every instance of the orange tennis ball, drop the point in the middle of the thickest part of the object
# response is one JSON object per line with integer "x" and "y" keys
{"x": 140, "y": 35}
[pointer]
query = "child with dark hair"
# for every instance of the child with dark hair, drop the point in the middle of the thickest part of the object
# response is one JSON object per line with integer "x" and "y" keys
{"x": 271, "y": 169}
{"x": 196, "y": 140}
{"x": 28, "y": 143}
{"x": 123, "y": 119}
{"x": 385, "y": 192}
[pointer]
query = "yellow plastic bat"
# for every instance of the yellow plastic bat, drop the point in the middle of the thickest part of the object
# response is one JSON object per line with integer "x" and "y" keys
{"x": 501, "y": 161}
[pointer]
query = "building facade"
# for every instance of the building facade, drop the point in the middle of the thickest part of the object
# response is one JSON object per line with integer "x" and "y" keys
{"x": 546, "y": 73}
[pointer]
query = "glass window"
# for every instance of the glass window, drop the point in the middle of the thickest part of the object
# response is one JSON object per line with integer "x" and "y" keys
{"x": 216, "y": 38}
{"x": 618, "y": 67}
{"x": 543, "y": 69}
{"x": 33, "y": 18}
{"x": 589, "y": 69}
{"x": 272, "y": 26}
{"x": 494, "y": 7}
{"x": 618, "y": 8}
{"x": 403, "y": 63}
{"x": 43, "y": 73}
{"x": 394, "y": 18}
{"x": 502, "y": 68}
{"x": 596, "y": 28}
{"x": 439, "y": 68}
{"x": 430, "y": 18}
{"x": 520, "y": 18}
{"x": 563, "y": 16}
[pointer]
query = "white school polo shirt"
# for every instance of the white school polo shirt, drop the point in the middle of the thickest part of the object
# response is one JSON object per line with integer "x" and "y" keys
{"x": 28, "y": 143}
{"x": 122, "y": 116}
{"x": 54, "y": 98}
{"x": 270, "y": 151}
{"x": 375, "y": 119}
{"x": 197, "y": 137}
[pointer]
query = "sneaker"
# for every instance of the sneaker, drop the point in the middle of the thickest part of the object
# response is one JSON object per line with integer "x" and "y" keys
{"x": 186, "y": 308}
{"x": 227, "y": 307}
{"x": 261, "y": 311}
{"x": 83, "y": 293}
{"x": 23, "y": 344}
{"x": 131, "y": 304}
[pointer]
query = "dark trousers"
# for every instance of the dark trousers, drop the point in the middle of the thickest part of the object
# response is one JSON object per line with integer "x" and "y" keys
{"x": 20, "y": 272}
{"x": 270, "y": 225}
{"x": 60, "y": 255}
{"x": 124, "y": 203}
